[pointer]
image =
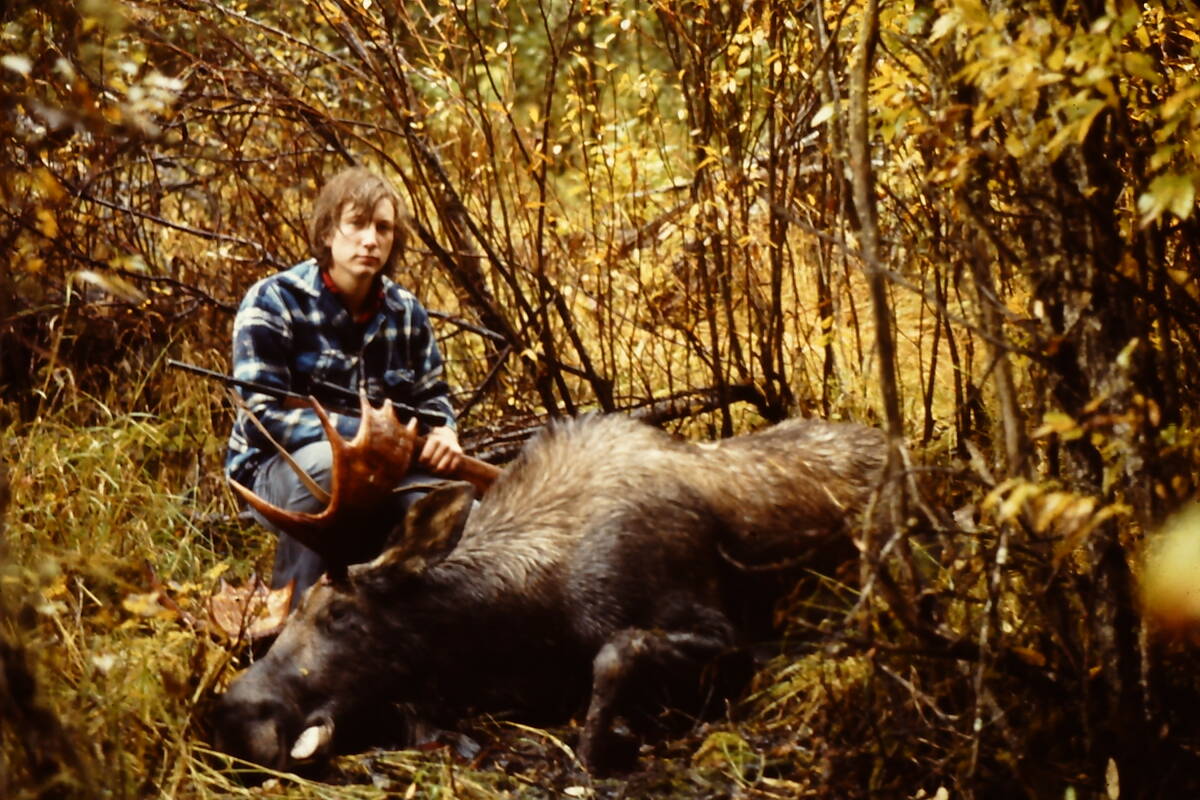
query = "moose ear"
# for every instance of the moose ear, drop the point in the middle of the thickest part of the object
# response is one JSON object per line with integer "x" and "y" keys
{"x": 431, "y": 529}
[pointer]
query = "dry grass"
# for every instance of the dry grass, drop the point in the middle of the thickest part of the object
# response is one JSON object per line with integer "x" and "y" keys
{"x": 113, "y": 541}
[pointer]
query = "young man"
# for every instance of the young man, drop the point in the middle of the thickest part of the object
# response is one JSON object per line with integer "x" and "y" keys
{"x": 336, "y": 318}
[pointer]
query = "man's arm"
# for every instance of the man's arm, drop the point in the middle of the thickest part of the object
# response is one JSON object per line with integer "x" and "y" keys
{"x": 431, "y": 393}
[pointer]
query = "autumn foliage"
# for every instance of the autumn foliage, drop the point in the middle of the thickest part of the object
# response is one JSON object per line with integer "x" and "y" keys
{"x": 972, "y": 223}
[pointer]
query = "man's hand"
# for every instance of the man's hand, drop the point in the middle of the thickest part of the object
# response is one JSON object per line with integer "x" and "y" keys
{"x": 442, "y": 452}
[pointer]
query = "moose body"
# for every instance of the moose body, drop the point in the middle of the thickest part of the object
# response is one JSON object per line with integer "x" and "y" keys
{"x": 608, "y": 553}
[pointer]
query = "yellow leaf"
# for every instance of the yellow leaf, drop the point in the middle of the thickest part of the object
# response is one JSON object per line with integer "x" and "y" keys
{"x": 824, "y": 113}
{"x": 1142, "y": 66}
{"x": 1029, "y": 656}
{"x": 1162, "y": 156}
{"x": 1177, "y": 101}
{"x": 1093, "y": 108}
{"x": 945, "y": 23}
{"x": 1170, "y": 591}
{"x": 1015, "y": 503}
{"x": 995, "y": 495}
{"x": 144, "y": 605}
{"x": 19, "y": 64}
{"x": 112, "y": 284}
{"x": 47, "y": 224}
{"x": 1056, "y": 422}
{"x": 56, "y": 588}
{"x": 48, "y": 183}
{"x": 1174, "y": 193}
{"x": 1053, "y": 505}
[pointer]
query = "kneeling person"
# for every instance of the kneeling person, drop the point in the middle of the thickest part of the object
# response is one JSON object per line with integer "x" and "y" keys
{"x": 338, "y": 319}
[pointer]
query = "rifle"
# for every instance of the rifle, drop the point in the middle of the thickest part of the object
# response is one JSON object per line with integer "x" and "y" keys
{"x": 337, "y": 398}
{"x": 479, "y": 473}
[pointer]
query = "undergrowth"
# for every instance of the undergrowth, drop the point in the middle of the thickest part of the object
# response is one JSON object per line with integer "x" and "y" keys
{"x": 117, "y": 532}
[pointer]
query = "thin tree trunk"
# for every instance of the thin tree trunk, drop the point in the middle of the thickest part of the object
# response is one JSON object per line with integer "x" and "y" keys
{"x": 868, "y": 213}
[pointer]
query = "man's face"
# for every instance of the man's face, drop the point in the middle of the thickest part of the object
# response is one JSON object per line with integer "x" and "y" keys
{"x": 361, "y": 242}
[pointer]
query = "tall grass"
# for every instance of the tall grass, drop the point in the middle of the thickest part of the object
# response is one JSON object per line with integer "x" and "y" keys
{"x": 115, "y": 536}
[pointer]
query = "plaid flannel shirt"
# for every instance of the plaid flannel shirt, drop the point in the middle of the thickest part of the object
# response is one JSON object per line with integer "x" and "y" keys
{"x": 291, "y": 329}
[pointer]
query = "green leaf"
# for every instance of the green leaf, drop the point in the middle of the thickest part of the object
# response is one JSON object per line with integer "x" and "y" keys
{"x": 1174, "y": 193}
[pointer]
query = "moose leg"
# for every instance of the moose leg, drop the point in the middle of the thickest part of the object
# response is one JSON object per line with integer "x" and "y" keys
{"x": 636, "y": 659}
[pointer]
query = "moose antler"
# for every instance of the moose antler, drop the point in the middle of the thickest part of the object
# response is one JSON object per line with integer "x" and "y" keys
{"x": 365, "y": 471}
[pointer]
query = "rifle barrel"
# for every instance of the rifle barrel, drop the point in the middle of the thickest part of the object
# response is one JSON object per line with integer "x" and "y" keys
{"x": 341, "y": 394}
{"x": 229, "y": 380}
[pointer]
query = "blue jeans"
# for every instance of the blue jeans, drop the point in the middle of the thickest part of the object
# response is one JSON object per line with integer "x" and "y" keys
{"x": 277, "y": 483}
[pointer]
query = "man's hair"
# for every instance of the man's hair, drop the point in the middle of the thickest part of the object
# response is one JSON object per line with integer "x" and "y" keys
{"x": 362, "y": 189}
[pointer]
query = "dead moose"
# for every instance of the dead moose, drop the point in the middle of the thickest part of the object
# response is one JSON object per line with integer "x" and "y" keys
{"x": 609, "y": 557}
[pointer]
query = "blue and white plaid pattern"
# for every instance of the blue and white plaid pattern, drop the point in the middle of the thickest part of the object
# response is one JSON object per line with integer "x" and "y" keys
{"x": 290, "y": 330}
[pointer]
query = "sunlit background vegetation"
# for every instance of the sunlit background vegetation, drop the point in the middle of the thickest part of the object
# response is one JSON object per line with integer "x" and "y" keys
{"x": 970, "y": 222}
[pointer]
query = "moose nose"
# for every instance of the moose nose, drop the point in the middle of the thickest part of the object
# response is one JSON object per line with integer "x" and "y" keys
{"x": 251, "y": 730}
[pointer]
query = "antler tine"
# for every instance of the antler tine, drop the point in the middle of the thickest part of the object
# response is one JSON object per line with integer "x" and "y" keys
{"x": 364, "y": 471}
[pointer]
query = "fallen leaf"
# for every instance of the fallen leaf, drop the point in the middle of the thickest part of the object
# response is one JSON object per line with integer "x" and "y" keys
{"x": 250, "y": 611}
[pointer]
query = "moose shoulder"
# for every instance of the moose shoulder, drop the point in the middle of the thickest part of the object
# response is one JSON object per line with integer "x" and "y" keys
{"x": 608, "y": 554}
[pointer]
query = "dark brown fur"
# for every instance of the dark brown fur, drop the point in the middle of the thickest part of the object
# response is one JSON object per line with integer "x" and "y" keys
{"x": 603, "y": 553}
